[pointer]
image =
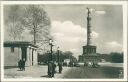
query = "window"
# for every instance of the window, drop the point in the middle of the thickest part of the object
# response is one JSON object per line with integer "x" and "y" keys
{"x": 12, "y": 49}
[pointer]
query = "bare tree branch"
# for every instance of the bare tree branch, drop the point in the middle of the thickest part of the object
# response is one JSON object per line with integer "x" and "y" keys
{"x": 36, "y": 20}
{"x": 13, "y": 24}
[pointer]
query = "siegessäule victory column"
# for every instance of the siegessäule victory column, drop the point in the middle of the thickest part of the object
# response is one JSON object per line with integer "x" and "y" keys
{"x": 89, "y": 56}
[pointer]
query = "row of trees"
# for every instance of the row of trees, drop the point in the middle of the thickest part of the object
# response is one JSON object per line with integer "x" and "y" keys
{"x": 56, "y": 57}
{"x": 116, "y": 57}
{"x": 31, "y": 17}
{"x": 113, "y": 57}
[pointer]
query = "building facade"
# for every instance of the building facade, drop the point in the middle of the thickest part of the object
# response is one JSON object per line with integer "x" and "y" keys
{"x": 19, "y": 50}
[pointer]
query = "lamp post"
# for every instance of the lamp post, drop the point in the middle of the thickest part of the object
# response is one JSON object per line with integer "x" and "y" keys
{"x": 51, "y": 46}
{"x": 58, "y": 55}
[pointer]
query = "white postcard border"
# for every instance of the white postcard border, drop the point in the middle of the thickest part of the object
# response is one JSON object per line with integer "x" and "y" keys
{"x": 124, "y": 6}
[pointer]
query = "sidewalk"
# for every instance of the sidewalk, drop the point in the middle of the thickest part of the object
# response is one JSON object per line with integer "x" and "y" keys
{"x": 32, "y": 72}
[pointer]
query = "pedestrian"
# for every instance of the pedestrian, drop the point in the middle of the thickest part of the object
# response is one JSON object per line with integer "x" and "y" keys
{"x": 23, "y": 64}
{"x": 20, "y": 64}
{"x": 53, "y": 68}
{"x": 49, "y": 69}
{"x": 60, "y": 67}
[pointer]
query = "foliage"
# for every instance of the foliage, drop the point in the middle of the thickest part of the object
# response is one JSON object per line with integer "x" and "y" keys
{"x": 62, "y": 56}
{"x": 116, "y": 57}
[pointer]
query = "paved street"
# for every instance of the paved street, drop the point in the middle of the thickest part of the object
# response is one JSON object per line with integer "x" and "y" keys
{"x": 68, "y": 72}
{"x": 87, "y": 72}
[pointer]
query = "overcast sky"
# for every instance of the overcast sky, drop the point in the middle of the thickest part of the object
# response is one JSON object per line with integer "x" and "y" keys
{"x": 69, "y": 27}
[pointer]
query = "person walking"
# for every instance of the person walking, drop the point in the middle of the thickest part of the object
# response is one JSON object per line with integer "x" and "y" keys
{"x": 20, "y": 64}
{"x": 50, "y": 69}
{"x": 53, "y": 68}
{"x": 60, "y": 67}
{"x": 23, "y": 64}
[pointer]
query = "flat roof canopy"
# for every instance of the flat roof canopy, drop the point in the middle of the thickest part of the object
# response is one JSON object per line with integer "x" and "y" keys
{"x": 18, "y": 44}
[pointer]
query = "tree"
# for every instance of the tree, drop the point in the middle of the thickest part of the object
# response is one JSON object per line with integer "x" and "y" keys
{"x": 13, "y": 21}
{"x": 69, "y": 55}
{"x": 37, "y": 21}
{"x": 116, "y": 57}
{"x": 45, "y": 57}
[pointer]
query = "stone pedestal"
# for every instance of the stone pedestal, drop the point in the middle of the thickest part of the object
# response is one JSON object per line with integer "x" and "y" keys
{"x": 89, "y": 53}
{"x": 89, "y": 49}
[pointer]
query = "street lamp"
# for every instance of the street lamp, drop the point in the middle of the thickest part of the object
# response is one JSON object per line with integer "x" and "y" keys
{"x": 51, "y": 46}
{"x": 58, "y": 54}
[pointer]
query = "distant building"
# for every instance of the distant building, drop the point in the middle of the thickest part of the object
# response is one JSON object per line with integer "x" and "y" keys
{"x": 16, "y": 50}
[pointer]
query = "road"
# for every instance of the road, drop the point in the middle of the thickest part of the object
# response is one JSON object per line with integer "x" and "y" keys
{"x": 68, "y": 72}
{"x": 87, "y": 72}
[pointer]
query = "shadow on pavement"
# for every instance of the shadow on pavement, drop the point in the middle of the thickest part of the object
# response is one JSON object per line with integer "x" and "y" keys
{"x": 10, "y": 67}
{"x": 45, "y": 76}
{"x": 19, "y": 70}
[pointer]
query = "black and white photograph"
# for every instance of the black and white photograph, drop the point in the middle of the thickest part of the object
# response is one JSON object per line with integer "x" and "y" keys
{"x": 63, "y": 41}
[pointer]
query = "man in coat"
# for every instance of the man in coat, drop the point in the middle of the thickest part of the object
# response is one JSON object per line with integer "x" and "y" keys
{"x": 60, "y": 67}
{"x": 20, "y": 64}
{"x": 53, "y": 69}
{"x": 23, "y": 64}
{"x": 50, "y": 69}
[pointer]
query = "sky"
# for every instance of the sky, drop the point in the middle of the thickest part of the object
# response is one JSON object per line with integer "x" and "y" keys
{"x": 69, "y": 27}
{"x": 69, "y": 23}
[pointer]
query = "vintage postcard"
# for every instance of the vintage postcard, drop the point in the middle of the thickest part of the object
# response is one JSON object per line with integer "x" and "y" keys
{"x": 64, "y": 41}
